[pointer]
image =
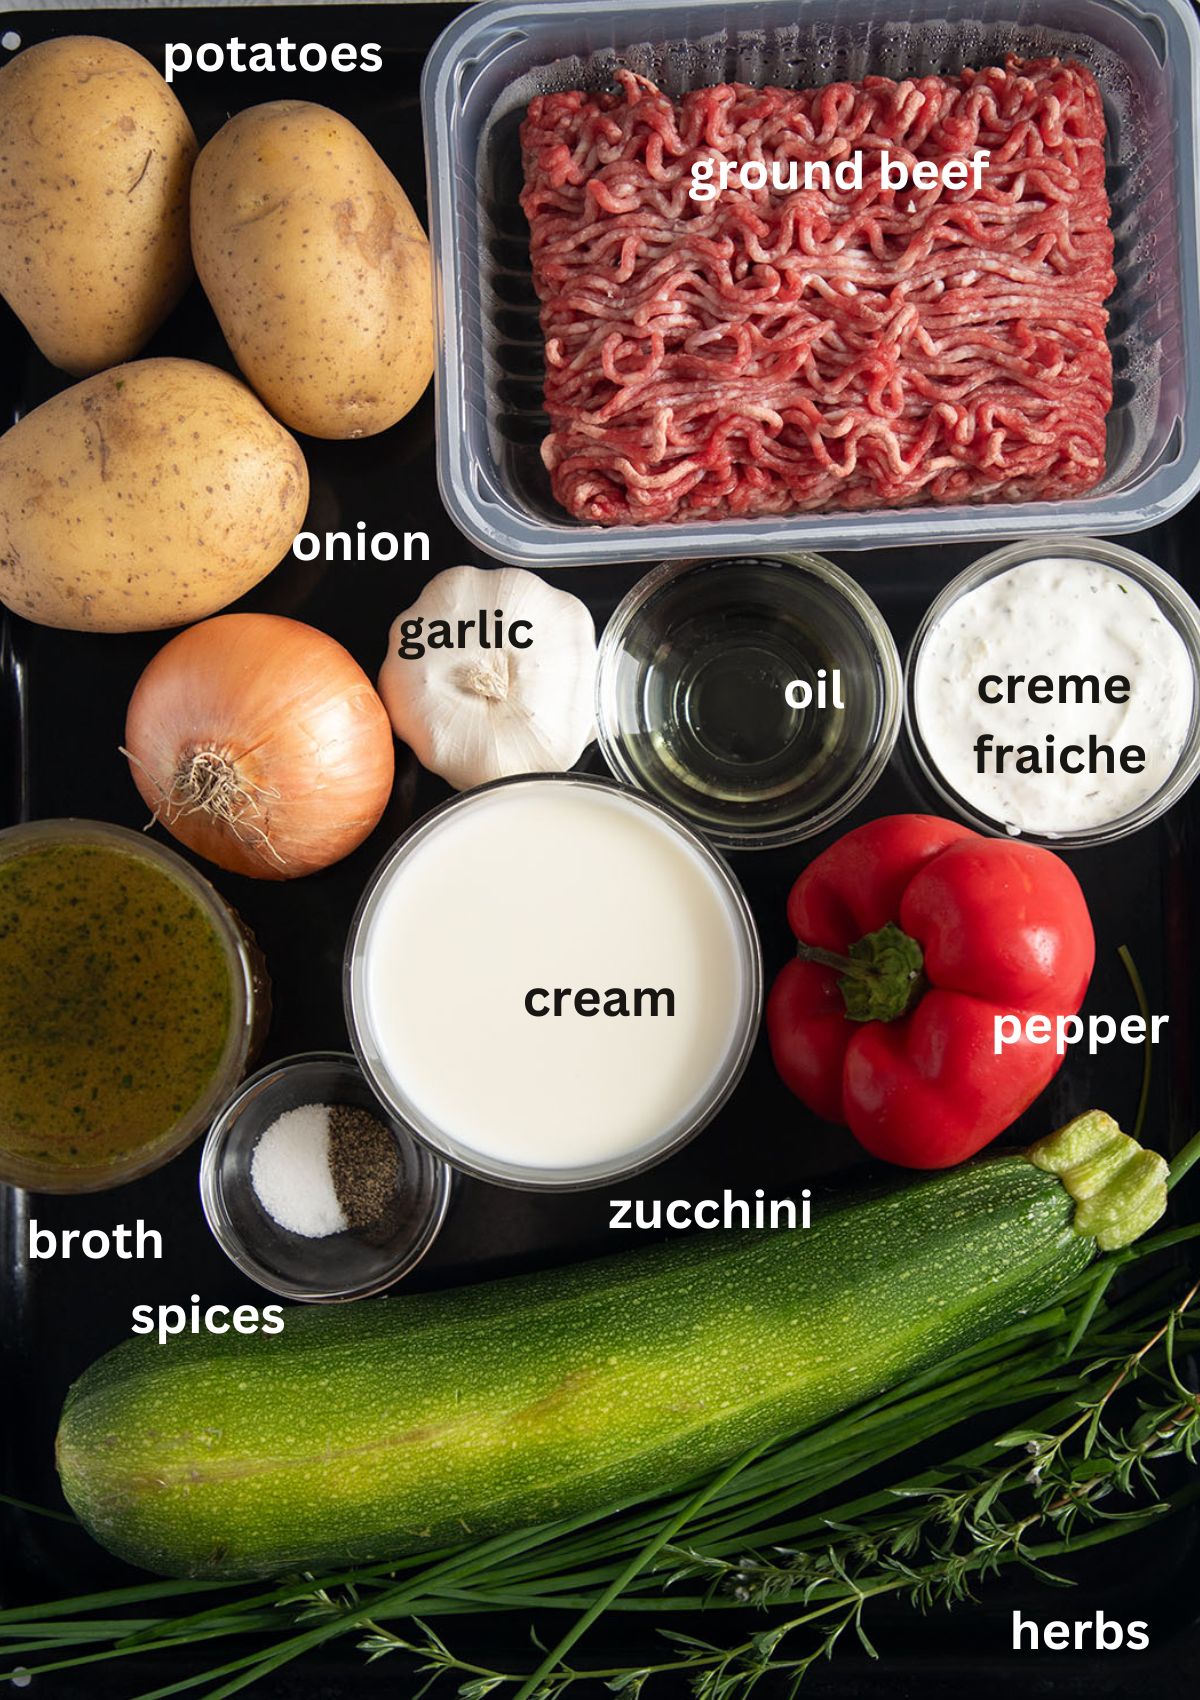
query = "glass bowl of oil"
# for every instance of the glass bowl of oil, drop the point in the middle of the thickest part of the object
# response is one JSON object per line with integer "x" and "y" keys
{"x": 759, "y": 698}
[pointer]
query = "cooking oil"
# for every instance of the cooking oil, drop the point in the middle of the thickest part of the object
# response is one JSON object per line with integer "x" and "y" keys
{"x": 751, "y": 695}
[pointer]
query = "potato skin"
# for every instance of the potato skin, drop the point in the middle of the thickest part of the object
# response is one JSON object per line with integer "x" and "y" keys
{"x": 96, "y": 158}
{"x": 317, "y": 268}
{"x": 147, "y": 496}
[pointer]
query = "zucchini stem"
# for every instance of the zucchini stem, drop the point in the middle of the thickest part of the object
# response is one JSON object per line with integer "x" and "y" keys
{"x": 1119, "y": 1188}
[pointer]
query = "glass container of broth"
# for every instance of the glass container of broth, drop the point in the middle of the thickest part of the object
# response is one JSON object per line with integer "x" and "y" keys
{"x": 132, "y": 1001}
{"x": 759, "y": 698}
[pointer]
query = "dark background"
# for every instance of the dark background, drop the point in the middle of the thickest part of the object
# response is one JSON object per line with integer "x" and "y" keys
{"x": 64, "y": 697}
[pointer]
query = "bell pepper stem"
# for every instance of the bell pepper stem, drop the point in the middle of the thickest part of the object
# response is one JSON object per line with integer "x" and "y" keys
{"x": 881, "y": 977}
{"x": 832, "y": 959}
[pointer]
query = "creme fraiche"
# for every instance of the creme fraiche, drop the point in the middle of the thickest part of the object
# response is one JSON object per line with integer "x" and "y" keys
{"x": 1052, "y": 691}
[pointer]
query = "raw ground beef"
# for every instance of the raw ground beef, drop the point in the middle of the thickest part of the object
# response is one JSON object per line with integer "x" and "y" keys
{"x": 769, "y": 352}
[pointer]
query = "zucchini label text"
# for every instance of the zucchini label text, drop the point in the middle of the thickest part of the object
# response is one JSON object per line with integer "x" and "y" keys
{"x": 725, "y": 1212}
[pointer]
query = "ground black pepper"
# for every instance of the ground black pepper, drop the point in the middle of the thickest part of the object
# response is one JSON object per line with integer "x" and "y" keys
{"x": 365, "y": 1165}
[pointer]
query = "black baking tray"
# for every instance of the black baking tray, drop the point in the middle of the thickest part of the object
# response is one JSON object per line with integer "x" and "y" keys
{"x": 62, "y": 704}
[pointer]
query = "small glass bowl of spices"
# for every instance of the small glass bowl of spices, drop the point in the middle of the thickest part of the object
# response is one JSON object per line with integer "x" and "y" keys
{"x": 313, "y": 1189}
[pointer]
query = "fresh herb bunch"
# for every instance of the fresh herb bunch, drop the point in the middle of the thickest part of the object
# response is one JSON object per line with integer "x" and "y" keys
{"x": 800, "y": 1530}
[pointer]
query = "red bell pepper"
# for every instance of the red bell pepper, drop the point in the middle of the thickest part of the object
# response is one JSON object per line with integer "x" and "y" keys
{"x": 914, "y": 935}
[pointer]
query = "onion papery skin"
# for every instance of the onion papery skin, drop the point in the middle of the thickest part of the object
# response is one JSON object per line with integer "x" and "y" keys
{"x": 261, "y": 744}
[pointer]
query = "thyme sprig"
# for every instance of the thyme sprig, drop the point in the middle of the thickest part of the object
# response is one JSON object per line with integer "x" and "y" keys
{"x": 974, "y": 1522}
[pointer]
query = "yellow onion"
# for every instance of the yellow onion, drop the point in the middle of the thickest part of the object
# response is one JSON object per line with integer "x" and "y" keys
{"x": 260, "y": 743}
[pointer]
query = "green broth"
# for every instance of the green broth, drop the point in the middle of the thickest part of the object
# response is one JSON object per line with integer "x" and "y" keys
{"x": 115, "y": 1004}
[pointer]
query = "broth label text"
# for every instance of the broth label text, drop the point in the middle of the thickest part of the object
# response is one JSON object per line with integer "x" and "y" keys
{"x": 130, "y": 1244}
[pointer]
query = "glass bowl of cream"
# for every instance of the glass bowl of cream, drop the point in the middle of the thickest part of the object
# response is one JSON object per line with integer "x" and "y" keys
{"x": 1052, "y": 692}
{"x": 553, "y": 982}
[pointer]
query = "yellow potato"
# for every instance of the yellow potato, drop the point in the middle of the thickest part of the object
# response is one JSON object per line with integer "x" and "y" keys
{"x": 317, "y": 268}
{"x": 147, "y": 496}
{"x": 96, "y": 156}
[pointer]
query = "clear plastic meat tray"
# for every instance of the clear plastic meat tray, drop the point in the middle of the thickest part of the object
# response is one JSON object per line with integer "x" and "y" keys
{"x": 488, "y": 64}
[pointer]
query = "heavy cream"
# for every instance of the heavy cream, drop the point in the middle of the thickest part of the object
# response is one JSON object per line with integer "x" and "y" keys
{"x": 552, "y": 978}
{"x": 1054, "y": 697}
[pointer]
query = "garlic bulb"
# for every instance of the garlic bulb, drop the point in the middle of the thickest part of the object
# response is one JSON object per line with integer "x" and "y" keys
{"x": 491, "y": 672}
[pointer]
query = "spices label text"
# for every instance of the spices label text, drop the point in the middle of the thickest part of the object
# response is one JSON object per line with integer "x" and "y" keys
{"x": 138, "y": 1242}
{"x": 165, "y": 1321}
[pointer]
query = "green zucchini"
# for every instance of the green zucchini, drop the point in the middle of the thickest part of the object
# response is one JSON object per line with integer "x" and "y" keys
{"x": 389, "y": 1426}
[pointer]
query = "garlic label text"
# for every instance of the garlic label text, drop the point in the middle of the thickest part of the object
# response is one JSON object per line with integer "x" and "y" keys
{"x": 487, "y": 630}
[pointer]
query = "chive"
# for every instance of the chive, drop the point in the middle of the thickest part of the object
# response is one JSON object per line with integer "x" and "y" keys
{"x": 666, "y": 1533}
{"x": 38, "y": 1510}
{"x": 1181, "y": 1163}
{"x": 1143, "y": 1003}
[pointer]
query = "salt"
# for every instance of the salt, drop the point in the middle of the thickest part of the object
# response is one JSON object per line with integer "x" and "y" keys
{"x": 291, "y": 1176}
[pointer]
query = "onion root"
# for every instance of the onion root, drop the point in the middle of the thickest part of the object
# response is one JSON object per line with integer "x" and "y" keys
{"x": 208, "y": 783}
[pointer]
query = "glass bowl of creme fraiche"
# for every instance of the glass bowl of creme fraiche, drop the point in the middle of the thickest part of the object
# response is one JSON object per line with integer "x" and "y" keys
{"x": 1052, "y": 692}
